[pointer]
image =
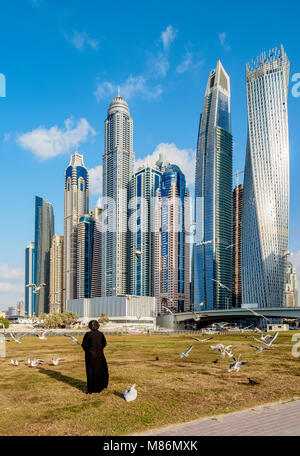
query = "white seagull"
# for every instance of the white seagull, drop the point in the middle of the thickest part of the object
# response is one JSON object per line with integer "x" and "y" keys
{"x": 228, "y": 351}
{"x": 257, "y": 314}
{"x": 17, "y": 339}
{"x": 271, "y": 341}
{"x": 220, "y": 349}
{"x": 42, "y": 336}
{"x": 36, "y": 289}
{"x": 55, "y": 362}
{"x": 261, "y": 335}
{"x": 73, "y": 339}
{"x": 138, "y": 253}
{"x": 36, "y": 362}
{"x": 14, "y": 363}
{"x": 201, "y": 340}
{"x": 259, "y": 349}
{"x": 222, "y": 285}
{"x": 130, "y": 394}
{"x": 236, "y": 365}
{"x": 186, "y": 353}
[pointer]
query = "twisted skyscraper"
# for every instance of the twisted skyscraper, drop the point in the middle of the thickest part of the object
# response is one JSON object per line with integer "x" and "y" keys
{"x": 265, "y": 213}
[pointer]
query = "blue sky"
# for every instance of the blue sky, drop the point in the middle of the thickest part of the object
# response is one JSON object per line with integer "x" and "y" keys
{"x": 63, "y": 62}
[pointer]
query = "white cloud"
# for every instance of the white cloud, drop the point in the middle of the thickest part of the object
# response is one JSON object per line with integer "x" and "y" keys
{"x": 48, "y": 143}
{"x": 95, "y": 180}
{"x": 134, "y": 85}
{"x": 7, "y": 273}
{"x": 159, "y": 64}
{"x": 186, "y": 63}
{"x": 8, "y": 287}
{"x": 6, "y": 137}
{"x": 184, "y": 158}
{"x": 81, "y": 39}
{"x": 168, "y": 36}
{"x": 222, "y": 38}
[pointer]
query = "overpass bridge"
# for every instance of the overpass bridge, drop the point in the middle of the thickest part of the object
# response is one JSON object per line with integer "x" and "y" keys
{"x": 207, "y": 317}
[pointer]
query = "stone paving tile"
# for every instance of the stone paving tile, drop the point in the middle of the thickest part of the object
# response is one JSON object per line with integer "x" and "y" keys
{"x": 281, "y": 419}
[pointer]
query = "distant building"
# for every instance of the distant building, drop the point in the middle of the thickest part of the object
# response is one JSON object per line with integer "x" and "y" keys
{"x": 21, "y": 308}
{"x": 172, "y": 251}
{"x": 56, "y": 274}
{"x": 85, "y": 241}
{"x": 96, "y": 288}
{"x": 44, "y": 230}
{"x": 291, "y": 287}
{"x": 144, "y": 185}
{"x": 118, "y": 169}
{"x": 29, "y": 278}
{"x": 237, "y": 247}
{"x": 76, "y": 204}
{"x": 12, "y": 310}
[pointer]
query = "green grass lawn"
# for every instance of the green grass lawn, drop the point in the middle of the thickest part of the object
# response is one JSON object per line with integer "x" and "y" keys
{"x": 51, "y": 400}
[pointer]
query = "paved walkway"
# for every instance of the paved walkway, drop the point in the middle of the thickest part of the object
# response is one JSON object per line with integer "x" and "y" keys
{"x": 269, "y": 420}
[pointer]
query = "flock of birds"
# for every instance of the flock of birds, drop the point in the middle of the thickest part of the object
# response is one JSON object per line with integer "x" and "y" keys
{"x": 41, "y": 336}
{"x": 265, "y": 341}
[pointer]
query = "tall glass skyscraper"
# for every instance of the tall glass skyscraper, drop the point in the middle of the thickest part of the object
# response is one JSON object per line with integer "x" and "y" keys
{"x": 144, "y": 184}
{"x": 172, "y": 251}
{"x": 265, "y": 212}
{"x": 118, "y": 168}
{"x": 76, "y": 205}
{"x": 44, "y": 230}
{"x": 85, "y": 243}
{"x": 29, "y": 278}
{"x": 212, "y": 260}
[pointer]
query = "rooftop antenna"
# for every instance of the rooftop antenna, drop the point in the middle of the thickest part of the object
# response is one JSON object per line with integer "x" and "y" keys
{"x": 119, "y": 91}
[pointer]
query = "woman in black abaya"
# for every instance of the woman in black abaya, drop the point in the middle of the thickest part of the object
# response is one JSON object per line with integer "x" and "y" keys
{"x": 96, "y": 367}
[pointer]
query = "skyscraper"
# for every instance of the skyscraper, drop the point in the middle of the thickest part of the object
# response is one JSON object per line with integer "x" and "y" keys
{"x": 118, "y": 165}
{"x": 44, "y": 230}
{"x": 172, "y": 251}
{"x": 85, "y": 241}
{"x": 265, "y": 212}
{"x": 291, "y": 287}
{"x": 57, "y": 274}
{"x": 29, "y": 278}
{"x": 96, "y": 290}
{"x": 212, "y": 260}
{"x": 144, "y": 184}
{"x": 237, "y": 246}
{"x": 76, "y": 205}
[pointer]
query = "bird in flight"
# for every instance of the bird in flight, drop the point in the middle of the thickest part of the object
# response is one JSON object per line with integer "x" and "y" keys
{"x": 138, "y": 253}
{"x": 201, "y": 341}
{"x": 186, "y": 353}
{"x": 257, "y": 314}
{"x": 55, "y": 362}
{"x": 261, "y": 335}
{"x": 73, "y": 339}
{"x": 17, "y": 339}
{"x": 42, "y": 336}
{"x": 36, "y": 289}
{"x": 236, "y": 365}
{"x": 259, "y": 349}
{"x": 222, "y": 285}
{"x": 271, "y": 341}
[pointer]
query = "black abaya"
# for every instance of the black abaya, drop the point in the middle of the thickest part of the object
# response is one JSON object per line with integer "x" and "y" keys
{"x": 96, "y": 367}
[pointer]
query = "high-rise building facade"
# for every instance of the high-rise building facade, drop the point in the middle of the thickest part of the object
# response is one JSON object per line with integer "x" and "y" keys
{"x": 29, "y": 278}
{"x": 212, "y": 260}
{"x": 265, "y": 213}
{"x": 237, "y": 246}
{"x": 118, "y": 168}
{"x": 291, "y": 287}
{"x": 144, "y": 184}
{"x": 44, "y": 230}
{"x": 172, "y": 251}
{"x": 85, "y": 241}
{"x": 96, "y": 285}
{"x": 57, "y": 274}
{"x": 76, "y": 204}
